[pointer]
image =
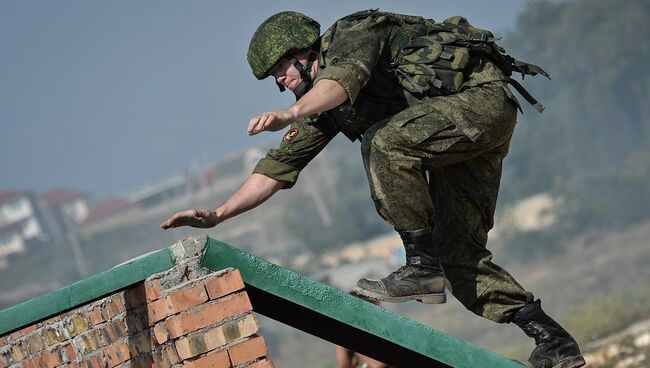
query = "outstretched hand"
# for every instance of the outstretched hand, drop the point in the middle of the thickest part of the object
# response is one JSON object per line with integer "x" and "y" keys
{"x": 271, "y": 121}
{"x": 193, "y": 218}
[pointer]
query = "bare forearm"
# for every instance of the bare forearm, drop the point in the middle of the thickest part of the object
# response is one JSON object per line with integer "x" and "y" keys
{"x": 326, "y": 94}
{"x": 343, "y": 358}
{"x": 255, "y": 191}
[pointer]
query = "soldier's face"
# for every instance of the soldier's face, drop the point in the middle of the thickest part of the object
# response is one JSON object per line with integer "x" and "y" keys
{"x": 286, "y": 73}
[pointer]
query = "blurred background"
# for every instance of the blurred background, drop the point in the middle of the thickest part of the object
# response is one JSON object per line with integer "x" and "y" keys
{"x": 115, "y": 115}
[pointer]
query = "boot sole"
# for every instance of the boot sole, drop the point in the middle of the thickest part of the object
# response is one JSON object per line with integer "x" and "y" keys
{"x": 436, "y": 298}
{"x": 573, "y": 362}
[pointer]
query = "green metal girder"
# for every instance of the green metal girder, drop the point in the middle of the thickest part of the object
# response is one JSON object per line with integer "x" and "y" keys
{"x": 282, "y": 288}
{"x": 84, "y": 291}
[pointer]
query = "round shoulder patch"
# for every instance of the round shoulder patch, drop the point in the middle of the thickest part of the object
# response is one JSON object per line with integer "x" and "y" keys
{"x": 290, "y": 135}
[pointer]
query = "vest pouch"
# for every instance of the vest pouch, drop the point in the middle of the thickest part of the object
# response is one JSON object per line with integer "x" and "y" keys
{"x": 453, "y": 58}
{"x": 429, "y": 68}
{"x": 451, "y": 80}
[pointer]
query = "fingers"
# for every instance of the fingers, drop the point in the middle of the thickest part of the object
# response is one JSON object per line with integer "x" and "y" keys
{"x": 169, "y": 223}
{"x": 202, "y": 213}
{"x": 178, "y": 219}
{"x": 194, "y": 218}
{"x": 261, "y": 123}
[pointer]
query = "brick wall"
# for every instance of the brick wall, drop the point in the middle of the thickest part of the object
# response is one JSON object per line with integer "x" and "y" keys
{"x": 180, "y": 318}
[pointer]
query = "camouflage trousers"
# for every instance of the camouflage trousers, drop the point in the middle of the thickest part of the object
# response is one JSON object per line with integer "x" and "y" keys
{"x": 438, "y": 164}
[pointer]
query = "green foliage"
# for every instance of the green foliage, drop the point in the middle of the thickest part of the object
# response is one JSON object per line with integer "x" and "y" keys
{"x": 605, "y": 314}
{"x": 590, "y": 146}
{"x": 597, "y": 112}
{"x": 608, "y": 199}
{"x": 613, "y": 198}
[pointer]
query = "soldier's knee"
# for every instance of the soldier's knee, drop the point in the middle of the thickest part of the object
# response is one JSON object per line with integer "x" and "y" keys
{"x": 381, "y": 143}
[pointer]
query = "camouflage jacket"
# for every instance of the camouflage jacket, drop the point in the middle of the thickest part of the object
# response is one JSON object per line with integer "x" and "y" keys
{"x": 357, "y": 54}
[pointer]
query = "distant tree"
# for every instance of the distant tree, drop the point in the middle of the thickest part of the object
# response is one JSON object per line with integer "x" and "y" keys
{"x": 597, "y": 103}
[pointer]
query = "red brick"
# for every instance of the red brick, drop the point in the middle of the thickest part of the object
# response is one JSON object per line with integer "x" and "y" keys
{"x": 4, "y": 361}
{"x": 114, "y": 306}
{"x": 53, "y": 334}
{"x": 117, "y": 353}
{"x": 136, "y": 321}
{"x": 34, "y": 343}
{"x": 68, "y": 354}
{"x": 76, "y": 324}
{"x": 91, "y": 341}
{"x": 224, "y": 284}
{"x": 18, "y": 353}
{"x": 50, "y": 359}
{"x": 208, "y": 315}
{"x": 160, "y": 360}
{"x": 145, "y": 361}
{"x": 248, "y": 350}
{"x": 3, "y": 340}
{"x": 189, "y": 347}
{"x": 159, "y": 310}
{"x": 170, "y": 354}
{"x": 95, "y": 361}
{"x": 187, "y": 298}
{"x": 152, "y": 289}
{"x": 140, "y": 344}
{"x": 95, "y": 315}
{"x": 160, "y": 333}
{"x": 115, "y": 330}
{"x": 22, "y": 332}
{"x": 135, "y": 296}
{"x": 241, "y": 328}
{"x": 262, "y": 364}
{"x": 34, "y": 362}
{"x": 215, "y": 359}
{"x": 52, "y": 320}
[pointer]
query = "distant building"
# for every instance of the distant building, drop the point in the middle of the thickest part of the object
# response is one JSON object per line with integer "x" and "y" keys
{"x": 65, "y": 202}
{"x": 106, "y": 209}
{"x": 63, "y": 211}
{"x": 109, "y": 213}
{"x": 159, "y": 193}
{"x": 20, "y": 223}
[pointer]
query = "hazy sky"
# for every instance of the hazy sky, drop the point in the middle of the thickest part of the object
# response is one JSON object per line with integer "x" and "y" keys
{"x": 107, "y": 96}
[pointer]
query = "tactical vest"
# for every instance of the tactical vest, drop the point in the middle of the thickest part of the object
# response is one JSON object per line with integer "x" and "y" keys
{"x": 439, "y": 60}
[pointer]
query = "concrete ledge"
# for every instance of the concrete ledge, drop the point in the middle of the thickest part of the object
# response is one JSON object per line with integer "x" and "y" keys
{"x": 86, "y": 290}
{"x": 342, "y": 319}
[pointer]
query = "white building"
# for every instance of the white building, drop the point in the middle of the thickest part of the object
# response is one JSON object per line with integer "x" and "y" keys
{"x": 63, "y": 202}
{"x": 19, "y": 223}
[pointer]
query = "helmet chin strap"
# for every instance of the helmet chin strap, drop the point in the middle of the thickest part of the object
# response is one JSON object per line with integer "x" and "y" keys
{"x": 305, "y": 74}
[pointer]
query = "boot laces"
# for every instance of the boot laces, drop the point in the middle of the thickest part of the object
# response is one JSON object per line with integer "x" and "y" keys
{"x": 535, "y": 331}
{"x": 403, "y": 271}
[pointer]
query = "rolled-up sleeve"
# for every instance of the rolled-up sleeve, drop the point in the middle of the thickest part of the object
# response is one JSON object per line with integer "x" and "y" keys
{"x": 300, "y": 144}
{"x": 353, "y": 52}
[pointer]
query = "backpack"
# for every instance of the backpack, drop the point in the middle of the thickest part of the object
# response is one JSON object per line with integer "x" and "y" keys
{"x": 438, "y": 61}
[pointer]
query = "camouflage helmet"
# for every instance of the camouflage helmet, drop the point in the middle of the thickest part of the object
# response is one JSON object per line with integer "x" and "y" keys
{"x": 279, "y": 35}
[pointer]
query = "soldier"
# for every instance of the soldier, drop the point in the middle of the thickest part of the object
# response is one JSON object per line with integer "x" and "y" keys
{"x": 346, "y": 358}
{"x": 431, "y": 106}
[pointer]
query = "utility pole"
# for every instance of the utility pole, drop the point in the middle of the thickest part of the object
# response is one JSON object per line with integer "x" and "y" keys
{"x": 75, "y": 244}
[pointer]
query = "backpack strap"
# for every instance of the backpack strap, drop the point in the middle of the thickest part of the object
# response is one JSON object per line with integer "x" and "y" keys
{"x": 527, "y": 96}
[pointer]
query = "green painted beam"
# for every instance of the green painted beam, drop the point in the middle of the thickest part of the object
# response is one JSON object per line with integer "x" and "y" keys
{"x": 277, "y": 288}
{"x": 86, "y": 290}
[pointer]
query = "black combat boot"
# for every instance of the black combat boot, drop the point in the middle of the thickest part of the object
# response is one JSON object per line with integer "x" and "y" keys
{"x": 555, "y": 347}
{"x": 421, "y": 279}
